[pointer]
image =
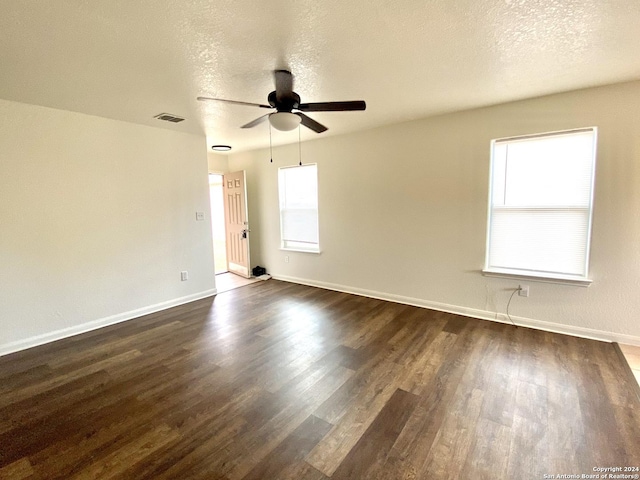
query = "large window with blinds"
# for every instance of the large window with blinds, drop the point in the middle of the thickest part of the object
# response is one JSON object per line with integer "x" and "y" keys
{"x": 540, "y": 205}
{"x": 298, "y": 189}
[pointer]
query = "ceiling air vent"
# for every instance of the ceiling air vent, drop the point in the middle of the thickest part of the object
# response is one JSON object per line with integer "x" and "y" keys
{"x": 167, "y": 117}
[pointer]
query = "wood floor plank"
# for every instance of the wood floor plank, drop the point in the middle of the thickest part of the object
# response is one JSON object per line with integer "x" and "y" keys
{"x": 113, "y": 465}
{"x": 358, "y": 415}
{"x": 568, "y": 436}
{"x": 18, "y": 470}
{"x": 420, "y": 372}
{"x": 454, "y": 439}
{"x": 174, "y": 460}
{"x": 33, "y": 389}
{"x": 489, "y": 453}
{"x": 291, "y": 450}
{"x": 45, "y": 403}
{"x": 368, "y": 456}
{"x": 368, "y": 380}
{"x": 285, "y": 381}
{"x": 623, "y": 394}
{"x": 599, "y": 419}
{"x": 301, "y": 471}
{"x": 100, "y": 432}
{"x": 262, "y": 440}
{"x": 414, "y": 443}
{"x": 529, "y": 449}
{"x": 376, "y": 319}
{"x": 12, "y": 381}
{"x": 45, "y": 431}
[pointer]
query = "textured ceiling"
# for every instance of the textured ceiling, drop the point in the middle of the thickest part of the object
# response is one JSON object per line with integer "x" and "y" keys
{"x": 130, "y": 60}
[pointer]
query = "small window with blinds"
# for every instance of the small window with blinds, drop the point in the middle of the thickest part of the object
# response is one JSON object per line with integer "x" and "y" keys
{"x": 298, "y": 189}
{"x": 540, "y": 204}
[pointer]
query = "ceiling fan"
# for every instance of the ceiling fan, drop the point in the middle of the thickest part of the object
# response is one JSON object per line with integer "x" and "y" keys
{"x": 283, "y": 99}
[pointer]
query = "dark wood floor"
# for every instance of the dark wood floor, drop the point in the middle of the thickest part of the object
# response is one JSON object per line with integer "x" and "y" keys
{"x": 282, "y": 381}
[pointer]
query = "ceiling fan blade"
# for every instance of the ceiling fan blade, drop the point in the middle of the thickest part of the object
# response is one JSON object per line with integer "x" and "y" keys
{"x": 284, "y": 84}
{"x": 311, "y": 123}
{"x": 333, "y": 106}
{"x": 204, "y": 99}
{"x": 257, "y": 121}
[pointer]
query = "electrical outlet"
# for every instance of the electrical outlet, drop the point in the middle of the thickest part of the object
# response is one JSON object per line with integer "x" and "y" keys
{"x": 184, "y": 276}
{"x": 523, "y": 290}
{"x": 199, "y": 216}
{"x": 286, "y": 259}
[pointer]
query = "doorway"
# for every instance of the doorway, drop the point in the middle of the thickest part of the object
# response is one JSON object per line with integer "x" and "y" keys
{"x": 216, "y": 196}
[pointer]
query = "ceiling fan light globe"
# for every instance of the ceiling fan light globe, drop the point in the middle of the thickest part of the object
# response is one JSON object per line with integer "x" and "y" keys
{"x": 284, "y": 121}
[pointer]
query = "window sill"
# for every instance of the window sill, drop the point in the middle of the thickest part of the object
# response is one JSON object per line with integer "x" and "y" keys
{"x": 300, "y": 250}
{"x": 561, "y": 280}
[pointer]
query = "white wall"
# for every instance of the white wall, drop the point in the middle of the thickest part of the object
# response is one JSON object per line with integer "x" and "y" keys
{"x": 217, "y": 162}
{"x": 97, "y": 219}
{"x": 403, "y": 213}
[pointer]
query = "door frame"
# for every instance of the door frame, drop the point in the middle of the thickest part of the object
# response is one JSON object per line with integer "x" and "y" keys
{"x": 216, "y": 252}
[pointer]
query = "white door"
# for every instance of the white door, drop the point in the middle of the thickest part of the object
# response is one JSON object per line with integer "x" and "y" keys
{"x": 237, "y": 223}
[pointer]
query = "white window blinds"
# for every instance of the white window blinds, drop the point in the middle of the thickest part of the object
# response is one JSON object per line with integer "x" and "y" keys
{"x": 540, "y": 205}
{"x": 298, "y": 189}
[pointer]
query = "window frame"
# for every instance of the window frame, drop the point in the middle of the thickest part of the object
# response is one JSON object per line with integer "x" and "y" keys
{"x": 283, "y": 245}
{"x": 539, "y": 275}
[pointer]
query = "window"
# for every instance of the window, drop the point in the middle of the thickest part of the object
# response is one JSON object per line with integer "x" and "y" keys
{"x": 298, "y": 188}
{"x": 540, "y": 205}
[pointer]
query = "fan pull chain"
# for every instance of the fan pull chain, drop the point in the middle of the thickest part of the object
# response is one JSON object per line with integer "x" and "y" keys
{"x": 299, "y": 147}
{"x": 270, "y": 147}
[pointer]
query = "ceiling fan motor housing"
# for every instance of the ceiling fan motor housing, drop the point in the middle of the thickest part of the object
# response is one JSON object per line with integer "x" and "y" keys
{"x": 284, "y": 104}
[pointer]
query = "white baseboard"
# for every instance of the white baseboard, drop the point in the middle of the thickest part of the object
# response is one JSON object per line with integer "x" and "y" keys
{"x": 473, "y": 313}
{"x": 99, "y": 323}
{"x": 593, "y": 334}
